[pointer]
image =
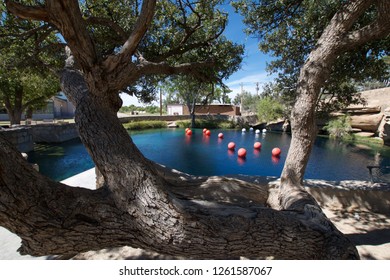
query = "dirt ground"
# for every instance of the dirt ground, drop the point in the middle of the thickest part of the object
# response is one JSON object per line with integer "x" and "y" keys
{"x": 369, "y": 231}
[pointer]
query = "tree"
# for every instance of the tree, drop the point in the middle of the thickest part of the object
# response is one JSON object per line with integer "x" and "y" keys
{"x": 142, "y": 204}
{"x": 348, "y": 38}
{"x": 289, "y": 31}
{"x": 269, "y": 109}
{"x": 24, "y": 83}
{"x": 247, "y": 101}
{"x": 23, "y": 91}
{"x": 190, "y": 92}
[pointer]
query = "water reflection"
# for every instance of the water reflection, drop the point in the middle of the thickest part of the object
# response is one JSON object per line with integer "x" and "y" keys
{"x": 241, "y": 161}
{"x": 275, "y": 160}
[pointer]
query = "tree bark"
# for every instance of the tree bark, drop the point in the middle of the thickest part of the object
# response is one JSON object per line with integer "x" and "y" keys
{"x": 191, "y": 107}
{"x": 338, "y": 37}
{"x": 15, "y": 108}
{"x": 15, "y": 116}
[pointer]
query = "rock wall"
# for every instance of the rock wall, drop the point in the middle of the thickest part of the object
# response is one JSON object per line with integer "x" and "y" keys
{"x": 54, "y": 132}
{"x": 346, "y": 195}
{"x": 372, "y": 118}
{"x": 20, "y": 137}
{"x": 365, "y": 121}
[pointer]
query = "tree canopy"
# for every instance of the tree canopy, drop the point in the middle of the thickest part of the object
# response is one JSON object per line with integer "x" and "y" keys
{"x": 27, "y": 54}
{"x": 180, "y": 36}
{"x": 289, "y": 30}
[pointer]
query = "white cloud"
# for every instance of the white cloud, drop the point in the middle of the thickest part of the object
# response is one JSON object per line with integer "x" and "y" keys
{"x": 248, "y": 83}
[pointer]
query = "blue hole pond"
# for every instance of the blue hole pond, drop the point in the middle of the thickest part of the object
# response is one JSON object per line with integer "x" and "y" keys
{"x": 208, "y": 155}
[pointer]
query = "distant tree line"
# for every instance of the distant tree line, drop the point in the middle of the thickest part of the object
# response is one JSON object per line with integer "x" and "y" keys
{"x": 149, "y": 109}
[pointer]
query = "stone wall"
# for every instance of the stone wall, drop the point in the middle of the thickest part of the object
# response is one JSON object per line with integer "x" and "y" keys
{"x": 349, "y": 195}
{"x": 54, "y": 132}
{"x": 20, "y": 137}
{"x": 214, "y": 109}
{"x": 174, "y": 118}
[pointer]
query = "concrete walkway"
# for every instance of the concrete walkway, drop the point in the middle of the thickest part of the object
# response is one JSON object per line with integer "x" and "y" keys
{"x": 9, "y": 242}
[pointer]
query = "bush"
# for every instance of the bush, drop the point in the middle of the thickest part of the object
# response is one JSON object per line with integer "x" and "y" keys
{"x": 269, "y": 109}
{"x": 140, "y": 125}
{"x": 340, "y": 128}
{"x": 200, "y": 123}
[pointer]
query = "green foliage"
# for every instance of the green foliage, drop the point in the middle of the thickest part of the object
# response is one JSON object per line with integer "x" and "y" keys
{"x": 141, "y": 125}
{"x": 288, "y": 30}
{"x": 247, "y": 101}
{"x": 25, "y": 57}
{"x": 150, "y": 109}
{"x": 188, "y": 91}
{"x": 210, "y": 124}
{"x": 181, "y": 32}
{"x": 339, "y": 128}
{"x": 269, "y": 109}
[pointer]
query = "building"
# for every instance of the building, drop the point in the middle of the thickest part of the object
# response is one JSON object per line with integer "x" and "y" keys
{"x": 62, "y": 107}
{"x": 212, "y": 109}
{"x": 57, "y": 107}
{"x": 175, "y": 109}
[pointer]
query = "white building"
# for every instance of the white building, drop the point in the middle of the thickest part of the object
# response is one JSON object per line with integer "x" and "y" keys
{"x": 175, "y": 109}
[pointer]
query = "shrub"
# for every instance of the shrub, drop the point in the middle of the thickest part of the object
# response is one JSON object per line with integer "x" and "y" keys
{"x": 200, "y": 123}
{"x": 269, "y": 109}
{"x": 140, "y": 125}
{"x": 340, "y": 128}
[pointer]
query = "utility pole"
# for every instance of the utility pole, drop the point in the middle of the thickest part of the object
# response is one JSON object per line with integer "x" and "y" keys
{"x": 257, "y": 88}
{"x": 242, "y": 94}
{"x": 161, "y": 102}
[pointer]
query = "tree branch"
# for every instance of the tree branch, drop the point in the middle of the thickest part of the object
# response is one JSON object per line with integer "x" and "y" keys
{"x": 66, "y": 16}
{"x": 27, "y": 12}
{"x": 109, "y": 23}
{"x": 141, "y": 26}
{"x": 378, "y": 29}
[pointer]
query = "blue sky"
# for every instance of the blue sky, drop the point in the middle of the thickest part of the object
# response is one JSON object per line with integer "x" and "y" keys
{"x": 253, "y": 65}
{"x": 253, "y": 68}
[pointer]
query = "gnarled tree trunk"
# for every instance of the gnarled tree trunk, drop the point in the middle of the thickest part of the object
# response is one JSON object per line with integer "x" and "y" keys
{"x": 338, "y": 37}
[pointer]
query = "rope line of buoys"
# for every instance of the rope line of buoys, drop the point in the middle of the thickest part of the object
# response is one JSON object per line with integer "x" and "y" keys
{"x": 242, "y": 152}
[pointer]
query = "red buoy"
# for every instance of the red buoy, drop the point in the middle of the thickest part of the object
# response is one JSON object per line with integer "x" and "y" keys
{"x": 276, "y": 152}
{"x": 241, "y": 153}
{"x": 257, "y": 145}
{"x": 208, "y": 133}
{"x": 220, "y": 135}
{"x": 231, "y": 146}
{"x": 204, "y": 130}
{"x": 189, "y": 132}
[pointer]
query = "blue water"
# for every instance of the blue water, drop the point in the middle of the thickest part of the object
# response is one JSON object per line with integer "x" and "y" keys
{"x": 202, "y": 155}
